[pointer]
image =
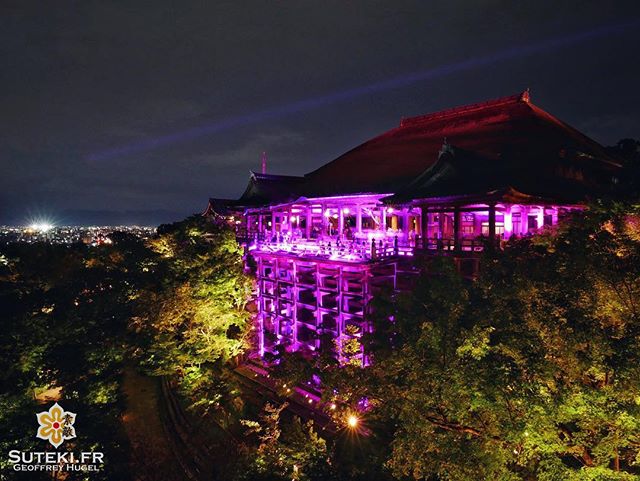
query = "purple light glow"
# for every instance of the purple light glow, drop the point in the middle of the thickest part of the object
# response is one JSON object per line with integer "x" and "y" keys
{"x": 315, "y": 282}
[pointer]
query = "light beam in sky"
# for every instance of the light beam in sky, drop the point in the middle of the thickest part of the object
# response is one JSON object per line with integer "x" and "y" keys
{"x": 518, "y": 51}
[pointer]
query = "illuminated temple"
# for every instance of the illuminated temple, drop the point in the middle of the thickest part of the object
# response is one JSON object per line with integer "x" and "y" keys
{"x": 449, "y": 183}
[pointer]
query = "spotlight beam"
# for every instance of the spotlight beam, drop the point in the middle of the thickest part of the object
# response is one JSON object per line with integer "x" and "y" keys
{"x": 518, "y": 51}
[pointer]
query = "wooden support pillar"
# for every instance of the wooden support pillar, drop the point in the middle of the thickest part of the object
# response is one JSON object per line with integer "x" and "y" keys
{"x": 492, "y": 225}
{"x": 294, "y": 307}
{"x": 340, "y": 222}
{"x": 383, "y": 219}
{"x": 308, "y": 226}
{"x": 273, "y": 222}
{"x": 325, "y": 221}
{"x": 540, "y": 217}
{"x": 554, "y": 215}
{"x": 424, "y": 227}
{"x": 440, "y": 225}
{"x": 340, "y": 318}
{"x": 359, "y": 219}
{"x": 456, "y": 228}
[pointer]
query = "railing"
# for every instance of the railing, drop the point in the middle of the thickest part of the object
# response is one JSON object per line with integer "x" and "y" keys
{"x": 359, "y": 250}
{"x": 355, "y": 250}
{"x": 476, "y": 244}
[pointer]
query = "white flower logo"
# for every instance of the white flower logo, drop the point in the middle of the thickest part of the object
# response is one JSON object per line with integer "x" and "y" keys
{"x": 56, "y": 425}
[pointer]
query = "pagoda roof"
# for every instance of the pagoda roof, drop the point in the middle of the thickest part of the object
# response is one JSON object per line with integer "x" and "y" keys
{"x": 261, "y": 190}
{"x": 271, "y": 188}
{"x": 459, "y": 175}
{"x": 502, "y": 145}
{"x": 493, "y": 129}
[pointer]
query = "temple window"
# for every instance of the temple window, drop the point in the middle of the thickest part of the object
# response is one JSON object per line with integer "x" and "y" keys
{"x": 414, "y": 224}
{"x": 468, "y": 224}
{"x": 316, "y": 226}
{"x": 433, "y": 225}
{"x": 395, "y": 222}
{"x": 516, "y": 221}
{"x": 499, "y": 229}
{"x": 499, "y": 226}
{"x": 350, "y": 221}
{"x": 368, "y": 223}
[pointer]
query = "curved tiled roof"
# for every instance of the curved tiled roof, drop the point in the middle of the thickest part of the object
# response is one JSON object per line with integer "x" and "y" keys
{"x": 493, "y": 129}
{"x": 268, "y": 188}
{"x": 507, "y": 141}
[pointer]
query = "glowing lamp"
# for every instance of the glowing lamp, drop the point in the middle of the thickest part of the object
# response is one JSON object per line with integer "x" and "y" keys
{"x": 353, "y": 421}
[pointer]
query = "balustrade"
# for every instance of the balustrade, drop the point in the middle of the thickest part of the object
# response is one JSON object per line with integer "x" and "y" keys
{"x": 360, "y": 250}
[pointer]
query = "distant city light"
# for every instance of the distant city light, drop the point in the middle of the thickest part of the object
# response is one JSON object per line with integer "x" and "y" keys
{"x": 38, "y": 230}
{"x": 41, "y": 226}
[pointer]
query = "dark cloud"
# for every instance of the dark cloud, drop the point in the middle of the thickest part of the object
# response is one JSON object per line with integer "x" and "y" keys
{"x": 84, "y": 77}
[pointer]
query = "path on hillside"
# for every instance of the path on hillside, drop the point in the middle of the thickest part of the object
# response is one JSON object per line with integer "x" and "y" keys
{"x": 152, "y": 456}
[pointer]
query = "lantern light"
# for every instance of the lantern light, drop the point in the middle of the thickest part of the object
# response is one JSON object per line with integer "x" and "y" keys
{"x": 352, "y": 421}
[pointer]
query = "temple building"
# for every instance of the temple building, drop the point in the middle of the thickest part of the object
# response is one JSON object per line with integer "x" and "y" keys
{"x": 449, "y": 183}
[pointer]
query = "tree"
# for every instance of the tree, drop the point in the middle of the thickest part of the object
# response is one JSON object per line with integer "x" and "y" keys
{"x": 74, "y": 315}
{"x": 65, "y": 312}
{"x": 194, "y": 320}
{"x": 530, "y": 373}
{"x": 294, "y": 452}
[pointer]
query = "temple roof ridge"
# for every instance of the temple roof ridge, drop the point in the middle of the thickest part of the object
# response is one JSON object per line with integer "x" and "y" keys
{"x": 261, "y": 176}
{"x": 524, "y": 97}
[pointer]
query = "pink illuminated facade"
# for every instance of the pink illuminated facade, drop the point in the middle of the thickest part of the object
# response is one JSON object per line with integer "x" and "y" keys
{"x": 323, "y": 245}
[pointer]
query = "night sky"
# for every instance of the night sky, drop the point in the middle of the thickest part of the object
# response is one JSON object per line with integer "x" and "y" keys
{"x": 137, "y": 112}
